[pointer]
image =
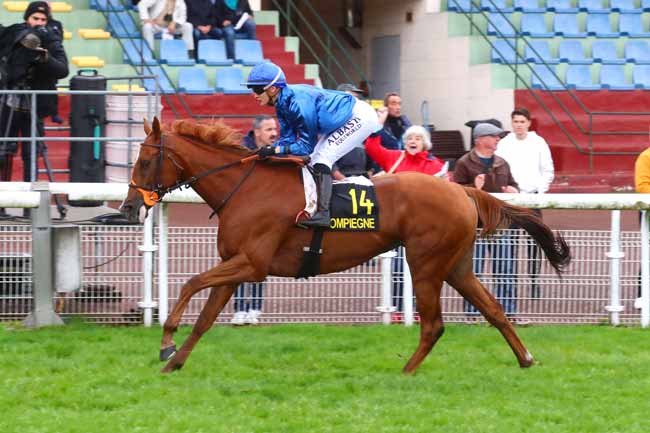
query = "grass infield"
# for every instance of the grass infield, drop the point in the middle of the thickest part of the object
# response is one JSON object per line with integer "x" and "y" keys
{"x": 311, "y": 378}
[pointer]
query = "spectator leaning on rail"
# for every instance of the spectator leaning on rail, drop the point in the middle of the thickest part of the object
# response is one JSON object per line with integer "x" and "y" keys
{"x": 168, "y": 17}
{"x": 484, "y": 170}
{"x": 235, "y": 18}
{"x": 324, "y": 124}
{"x": 531, "y": 165}
{"x": 249, "y": 296}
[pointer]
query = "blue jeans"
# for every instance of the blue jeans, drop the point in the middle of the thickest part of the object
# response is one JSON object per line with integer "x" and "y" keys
{"x": 247, "y": 31}
{"x": 252, "y": 302}
{"x": 214, "y": 33}
{"x": 502, "y": 250}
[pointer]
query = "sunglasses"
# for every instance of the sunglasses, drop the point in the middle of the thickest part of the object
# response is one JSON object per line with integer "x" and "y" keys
{"x": 257, "y": 89}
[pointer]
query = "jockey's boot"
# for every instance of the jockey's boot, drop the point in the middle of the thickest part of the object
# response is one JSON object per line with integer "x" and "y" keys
{"x": 321, "y": 219}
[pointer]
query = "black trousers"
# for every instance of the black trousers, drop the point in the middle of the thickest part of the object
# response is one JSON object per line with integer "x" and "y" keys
{"x": 20, "y": 127}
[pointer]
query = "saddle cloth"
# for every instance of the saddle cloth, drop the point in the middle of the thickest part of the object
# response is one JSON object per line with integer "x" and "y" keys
{"x": 354, "y": 203}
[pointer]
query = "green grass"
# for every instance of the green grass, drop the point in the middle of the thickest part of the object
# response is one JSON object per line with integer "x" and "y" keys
{"x": 310, "y": 378}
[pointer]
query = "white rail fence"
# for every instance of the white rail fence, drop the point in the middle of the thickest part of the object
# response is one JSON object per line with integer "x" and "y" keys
{"x": 122, "y": 283}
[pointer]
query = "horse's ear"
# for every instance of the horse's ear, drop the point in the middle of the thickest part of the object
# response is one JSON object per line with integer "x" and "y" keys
{"x": 156, "y": 126}
{"x": 147, "y": 127}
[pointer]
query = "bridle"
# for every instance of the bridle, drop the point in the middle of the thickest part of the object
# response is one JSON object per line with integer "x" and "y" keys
{"x": 152, "y": 194}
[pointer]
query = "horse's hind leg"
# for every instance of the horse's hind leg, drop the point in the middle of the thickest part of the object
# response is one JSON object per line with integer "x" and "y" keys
{"x": 465, "y": 282}
{"x": 218, "y": 298}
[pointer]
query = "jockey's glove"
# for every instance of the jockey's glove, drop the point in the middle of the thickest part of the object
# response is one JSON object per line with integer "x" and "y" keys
{"x": 266, "y": 151}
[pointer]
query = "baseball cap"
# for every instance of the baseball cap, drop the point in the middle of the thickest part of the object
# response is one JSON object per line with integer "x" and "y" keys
{"x": 483, "y": 129}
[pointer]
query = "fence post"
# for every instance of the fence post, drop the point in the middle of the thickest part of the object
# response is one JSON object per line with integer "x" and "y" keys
{"x": 615, "y": 255}
{"x": 163, "y": 289}
{"x": 407, "y": 293}
{"x": 645, "y": 269}
{"x": 148, "y": 248}
{"x": 43, "y": 313}
{"x": 386, "y": 307}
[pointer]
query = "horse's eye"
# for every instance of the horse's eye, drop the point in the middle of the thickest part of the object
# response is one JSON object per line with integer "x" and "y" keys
{"x": 144, "y": 163}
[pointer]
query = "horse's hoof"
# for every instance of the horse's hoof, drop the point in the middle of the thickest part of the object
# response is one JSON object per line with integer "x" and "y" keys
{"x": 167, "y": 353}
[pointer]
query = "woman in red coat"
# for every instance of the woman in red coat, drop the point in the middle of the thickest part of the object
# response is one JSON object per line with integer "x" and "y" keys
{"x": 414, "y": 157}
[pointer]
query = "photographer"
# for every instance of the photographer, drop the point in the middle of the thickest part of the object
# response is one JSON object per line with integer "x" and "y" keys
{"x": 31, "y": 57}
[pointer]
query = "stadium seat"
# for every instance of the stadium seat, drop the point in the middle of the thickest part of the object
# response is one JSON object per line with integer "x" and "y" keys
{"x": 495, "y": 6}
{"x": 592, "y": 6}
{"x": 572, "y": 52}
{"x": 538, "y": 51}
{"x": 193, "y": 81}
{"x": 122, "y": 25}
{"x": 579, "y": 77}
{"x": 500, "y": 26}
{"x": 248, "y": 52}
{"x": 534, "y": 25}
{"x": 637, "y": 52}
{"x": 107, "y": 5}
{"x": 503, "y": 51}
{"x": 605, "y": 52}
{"x": 213, "y": 53}
{"x": 624, "y": 6}
{"x": 560, "y": 6}
{"x": 641, "y": 76}
{"x": 528, "y": 6}
{"x": 87, "y": 62}
{"x": 462, "y": 6}
{"x": 567, "y": 25}
{"x": 229, "y": 81}
{"x": 612, "y": 77}
{"x": 631, "y": 25}
{"x": 94, "y": 34}
{"x": 174, "y": 53}
{"x": 599, "y": 25}
{"x": 544, "y": 78}
{"x": 137, "y": 52}
{"x": 645, "y": 5}
{"x": 164, "y": 85}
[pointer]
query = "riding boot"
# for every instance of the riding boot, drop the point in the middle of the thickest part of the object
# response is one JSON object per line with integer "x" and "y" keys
{"x": 321, "y": 219}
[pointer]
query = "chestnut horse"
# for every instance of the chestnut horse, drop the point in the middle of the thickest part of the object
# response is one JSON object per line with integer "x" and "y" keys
{"x": 257, "y": 201}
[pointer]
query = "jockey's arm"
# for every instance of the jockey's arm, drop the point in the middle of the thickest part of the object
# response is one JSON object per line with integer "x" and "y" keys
{"x": 295, "y": 138}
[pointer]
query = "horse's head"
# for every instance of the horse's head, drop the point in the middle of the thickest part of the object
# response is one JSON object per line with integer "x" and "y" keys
{"x": 153, "y": 173}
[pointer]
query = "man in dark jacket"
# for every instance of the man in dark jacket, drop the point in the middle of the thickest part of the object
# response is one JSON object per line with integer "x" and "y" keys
{"x": 235, "y": 19}
{"x": 203, "y": 16}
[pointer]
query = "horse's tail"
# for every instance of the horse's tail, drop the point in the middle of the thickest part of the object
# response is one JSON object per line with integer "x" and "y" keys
{"x": 494, "y": 213}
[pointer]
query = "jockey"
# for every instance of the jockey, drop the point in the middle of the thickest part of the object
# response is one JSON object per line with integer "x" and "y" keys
{"x": 324, "y": 124}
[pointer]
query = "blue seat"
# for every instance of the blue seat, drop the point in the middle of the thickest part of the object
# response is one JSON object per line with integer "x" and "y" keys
{"x": 560, "y": 6}
{"x": 107, "y": 5}
{"x": 495, "y": 5}
{"x": 599, "y": 25}
{"x": 527, "y": 6}
{"x": 631, "y": 25}
{"x": 461, "y": 6}
{"x": 579, "y": 77}
{"x": 229, "y": 81}
{"x": 637, "y": 52}
{"x": 612, "y": 77}
{"x": 605, "y": 52}
{"x": 641, "y": 76}
{"x": 544, "y": 78}
{"x": 503, "y": 51}
{"x": 645, "y": 5}
{"x": 122, "y": 25}
{"x": 572, "y": 52}
{"x": 164, "y": 85}
{"x": 500, "y": 26}
{"x": 567, "y": 25}
{"x": 174, "y": 53}
{"x": 624, "y": 6}
{"x": 534, "y": 25}
{"x": 248, "y": 52}
{"x": 193, "y": 81}
{"x": 213, "y": 53}
{"x": 137, "y": 52}
{"x": 538, "y": 51}
{"x": 592, "y": 6}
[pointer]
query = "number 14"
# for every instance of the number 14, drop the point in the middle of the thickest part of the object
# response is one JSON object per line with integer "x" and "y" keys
{"x": 363, "y": 201}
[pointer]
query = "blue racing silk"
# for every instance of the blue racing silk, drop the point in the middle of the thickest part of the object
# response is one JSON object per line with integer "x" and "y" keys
{"x": 305, "y": 112}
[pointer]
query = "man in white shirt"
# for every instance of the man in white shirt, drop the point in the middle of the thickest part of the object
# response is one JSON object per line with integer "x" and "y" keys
{"x": 531, "y": 166}
{"x": 168, "y": 17}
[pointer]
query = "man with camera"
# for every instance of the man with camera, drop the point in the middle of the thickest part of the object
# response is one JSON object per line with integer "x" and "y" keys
{"x": 31, "y": 57}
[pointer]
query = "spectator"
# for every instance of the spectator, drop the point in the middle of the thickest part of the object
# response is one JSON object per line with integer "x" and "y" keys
{"x": 484, "y": 170}
{"x": 56, "y": 28}
{"x": 531, "y": 165}
{"x": 235, "y": 18}
{"x": 202, "y": 14}
{"x": 353, "y": 163}
{"x": 415, "y": 157}
{"x": 34, "y": 57}
{"x": 167, "y": 17}
{"x": 642, "y": 185}
{"x": 393, "y": 121}
{"x": 249, "y": 308}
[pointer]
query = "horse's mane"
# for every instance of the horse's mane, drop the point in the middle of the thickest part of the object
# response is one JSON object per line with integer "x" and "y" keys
{"x": 216, "y": 133}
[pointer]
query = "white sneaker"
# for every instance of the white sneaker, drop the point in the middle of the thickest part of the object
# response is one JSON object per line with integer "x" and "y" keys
{"x": 253, "y": 317}
{"x": 239, "y": 318}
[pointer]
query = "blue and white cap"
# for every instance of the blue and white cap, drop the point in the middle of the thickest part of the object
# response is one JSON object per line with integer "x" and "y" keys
{"x": 266, "y": 74}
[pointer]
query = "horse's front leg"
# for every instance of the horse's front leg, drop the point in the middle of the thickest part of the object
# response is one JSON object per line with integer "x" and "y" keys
{"x": 229, "y": 273}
